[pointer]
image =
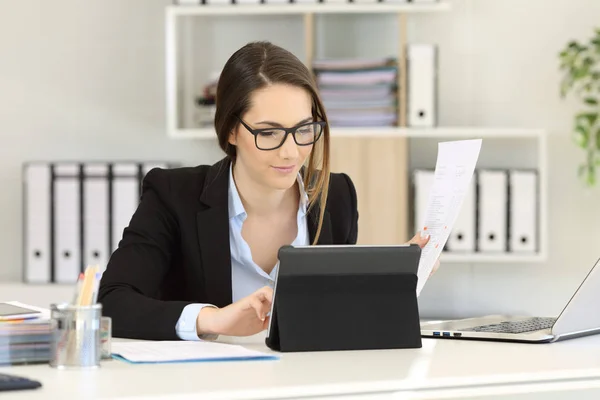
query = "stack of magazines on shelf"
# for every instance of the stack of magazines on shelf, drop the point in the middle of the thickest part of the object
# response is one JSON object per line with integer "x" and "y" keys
{"x": 24, "y": 334}
{"x": 358, "y": 92}
{"x": 205, "y": 104}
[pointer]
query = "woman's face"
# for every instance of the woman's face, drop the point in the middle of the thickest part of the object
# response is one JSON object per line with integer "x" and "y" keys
{"x": 274, "y": 106}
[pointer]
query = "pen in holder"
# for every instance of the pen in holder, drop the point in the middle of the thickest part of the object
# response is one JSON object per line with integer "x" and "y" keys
{"x": 75, "y": 340}
{"x": 80, "y": 335}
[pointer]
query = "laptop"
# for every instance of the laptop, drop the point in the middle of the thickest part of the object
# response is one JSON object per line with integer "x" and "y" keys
{"x": 578, "y": 318}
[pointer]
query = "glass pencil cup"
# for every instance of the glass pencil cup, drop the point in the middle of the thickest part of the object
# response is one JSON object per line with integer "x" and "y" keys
{"x": 75, "y": 336}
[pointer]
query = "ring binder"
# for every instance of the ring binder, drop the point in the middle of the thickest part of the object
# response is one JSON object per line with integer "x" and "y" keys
{"x": 68, "y": 210}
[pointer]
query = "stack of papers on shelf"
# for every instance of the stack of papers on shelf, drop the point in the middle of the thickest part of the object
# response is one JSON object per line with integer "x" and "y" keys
{"x": 358, "y": 92}
{"x": 144, "y": 352}
{"x": 27, "y": 340}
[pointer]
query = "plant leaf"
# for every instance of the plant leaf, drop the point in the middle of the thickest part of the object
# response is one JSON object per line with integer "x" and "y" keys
{"x": 588, "y": 61}
{"x": 588, "y": 118}
{"x": 591, "y": 179}
{"x": 581, "y": 72}
{"x": 590, "y": 100}
{"x": 581, "y": 137}
{"x": 564, "y": 88}
{"x": 591, "y": 175}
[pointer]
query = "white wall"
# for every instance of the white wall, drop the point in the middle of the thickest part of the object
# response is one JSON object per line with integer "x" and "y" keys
{"x": 80, "y": 80}
{"x": 86, "y": 80}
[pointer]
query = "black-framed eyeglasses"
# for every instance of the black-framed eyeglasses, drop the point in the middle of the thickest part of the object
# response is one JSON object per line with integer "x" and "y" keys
{"x": 273, "y": 138}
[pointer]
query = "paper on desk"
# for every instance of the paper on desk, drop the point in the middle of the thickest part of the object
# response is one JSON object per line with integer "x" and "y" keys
{"x": 453, "y": 173}
{"x": 183, "y": 351}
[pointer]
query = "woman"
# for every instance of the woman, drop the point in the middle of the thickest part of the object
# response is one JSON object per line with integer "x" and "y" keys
{"x": 199, "y": 256}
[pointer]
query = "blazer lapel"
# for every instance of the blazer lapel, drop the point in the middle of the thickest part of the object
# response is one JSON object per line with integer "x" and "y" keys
{"x": 213, "y": 235}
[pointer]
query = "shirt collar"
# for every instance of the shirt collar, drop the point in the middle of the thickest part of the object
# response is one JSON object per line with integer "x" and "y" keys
{"x": 236, "y": 208}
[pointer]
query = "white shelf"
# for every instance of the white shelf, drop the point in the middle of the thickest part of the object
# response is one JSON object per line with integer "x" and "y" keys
{"x": 317, "y": 8}
{"x": 377, "y": 132}
{"x": 491, "y": 258}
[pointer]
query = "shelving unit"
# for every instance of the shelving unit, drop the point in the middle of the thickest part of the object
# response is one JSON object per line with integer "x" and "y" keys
{"x": 316, "y": 8}
{"x": 362, "y": 152}
{"x": 175, "y": 14}
{"x": 394, "y": 132}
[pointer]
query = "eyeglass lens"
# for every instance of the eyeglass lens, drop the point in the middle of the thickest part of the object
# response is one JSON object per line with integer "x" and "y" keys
{"x": 304, "y": 135}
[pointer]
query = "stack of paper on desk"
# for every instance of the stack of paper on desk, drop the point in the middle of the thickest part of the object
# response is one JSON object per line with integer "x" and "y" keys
{"x": 143, "y": 352}
{"x": 25, "y": 341}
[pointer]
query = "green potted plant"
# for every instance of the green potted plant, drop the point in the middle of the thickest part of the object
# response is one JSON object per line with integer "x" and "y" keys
{"x": 580, "y": 64}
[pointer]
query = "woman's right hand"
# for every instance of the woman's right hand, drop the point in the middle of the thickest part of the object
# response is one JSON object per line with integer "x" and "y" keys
{"x": 245, "y": 317}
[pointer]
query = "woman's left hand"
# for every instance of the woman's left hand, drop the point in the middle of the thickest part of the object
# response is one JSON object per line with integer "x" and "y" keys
{"x": 422, "y": 242}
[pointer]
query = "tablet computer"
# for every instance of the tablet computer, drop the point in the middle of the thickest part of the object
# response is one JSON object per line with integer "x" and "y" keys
{"x": 336, "y": 297}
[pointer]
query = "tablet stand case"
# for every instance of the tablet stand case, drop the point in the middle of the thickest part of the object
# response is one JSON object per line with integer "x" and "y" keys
{"x": 343, "y": 308}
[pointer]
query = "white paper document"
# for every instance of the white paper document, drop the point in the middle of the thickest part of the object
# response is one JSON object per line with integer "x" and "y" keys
{"x": 183, "y": 351}
{"x": 453, "y": 173}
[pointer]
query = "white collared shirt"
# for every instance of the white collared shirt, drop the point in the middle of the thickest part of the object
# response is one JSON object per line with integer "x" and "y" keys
{"x": 246, "y": 276}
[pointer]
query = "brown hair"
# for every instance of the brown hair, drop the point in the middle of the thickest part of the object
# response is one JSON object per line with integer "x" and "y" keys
{"x": 252, "y": 67}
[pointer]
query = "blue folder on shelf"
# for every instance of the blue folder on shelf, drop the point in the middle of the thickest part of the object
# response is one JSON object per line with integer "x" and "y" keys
{"x": 156, "y": 352}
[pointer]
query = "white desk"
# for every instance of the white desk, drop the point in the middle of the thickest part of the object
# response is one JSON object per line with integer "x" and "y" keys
{"x": 441, "y": 369}
{"x": 40, "y": 295}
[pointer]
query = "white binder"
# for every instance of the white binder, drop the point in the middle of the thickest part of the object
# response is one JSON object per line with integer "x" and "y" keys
{"x": 67, "y": 222}
{"x": 493, "y": 204}
{"x": 421, "y": 85}
{"x": 125, "y": 198}
{"x": 462, "y": 238}
{"x": 523, "y": 212}
{"x": 37, "y": 182}
{"x": 423, "y": 182}
{"x": 95, "y": 215}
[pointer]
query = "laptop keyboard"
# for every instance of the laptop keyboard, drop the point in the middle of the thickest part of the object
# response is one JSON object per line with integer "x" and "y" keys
{"x": 526, "y": 325}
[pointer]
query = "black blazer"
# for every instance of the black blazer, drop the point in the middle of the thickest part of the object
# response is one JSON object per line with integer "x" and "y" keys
{"x": 176, "y": 249}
